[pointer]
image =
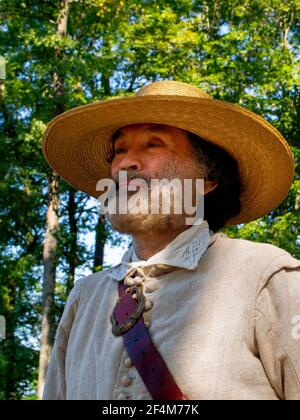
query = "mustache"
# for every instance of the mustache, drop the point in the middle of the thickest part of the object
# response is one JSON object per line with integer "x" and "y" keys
{"x": 130, "y": 176}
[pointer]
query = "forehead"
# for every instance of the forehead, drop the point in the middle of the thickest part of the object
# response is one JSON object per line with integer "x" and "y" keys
{"x": 144, "y": 128}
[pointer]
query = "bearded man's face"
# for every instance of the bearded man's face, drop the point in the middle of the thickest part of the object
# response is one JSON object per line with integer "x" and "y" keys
{"x": 147, "y": 152}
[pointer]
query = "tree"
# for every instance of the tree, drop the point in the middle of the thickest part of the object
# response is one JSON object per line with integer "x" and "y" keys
{"x": 52, "y": 221}
{"x": 69, "y": 53}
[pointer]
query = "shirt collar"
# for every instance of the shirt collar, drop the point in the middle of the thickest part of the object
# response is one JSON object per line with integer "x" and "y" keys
{"x": 184, "y": 251}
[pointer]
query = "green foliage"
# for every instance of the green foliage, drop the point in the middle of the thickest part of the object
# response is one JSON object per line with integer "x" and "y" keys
{"x": 242, "y": 51}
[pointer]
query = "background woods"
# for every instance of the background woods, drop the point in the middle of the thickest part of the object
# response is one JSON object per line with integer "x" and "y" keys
{"x": 62, "y": 54}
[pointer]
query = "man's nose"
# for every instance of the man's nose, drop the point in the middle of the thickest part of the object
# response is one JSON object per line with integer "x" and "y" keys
{"x": 131, "y": 161}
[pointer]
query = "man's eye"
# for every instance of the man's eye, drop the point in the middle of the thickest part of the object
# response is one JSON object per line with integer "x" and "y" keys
{"x": 153, "y": 145}
{"x": 119, "y": 150}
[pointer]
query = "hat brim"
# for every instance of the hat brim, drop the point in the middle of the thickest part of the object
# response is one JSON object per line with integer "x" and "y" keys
{"x": 77, "y": 143}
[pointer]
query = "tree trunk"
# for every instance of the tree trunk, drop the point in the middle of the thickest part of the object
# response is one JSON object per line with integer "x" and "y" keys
{"x": 2, "y": 78}
{"x": 101, "y": 236}
{"x": 106, "y": 84}
{"x": 101, "y": 233}
{"x": 297, "y": 201}
{"x": 72, "y": 254}
{"x": 50, "y": 262}
{"x": 2, "y": 90}
{"x": 8, "y": 123}
{"x": 10, "y": 344}
{"x": 52, "y": 226}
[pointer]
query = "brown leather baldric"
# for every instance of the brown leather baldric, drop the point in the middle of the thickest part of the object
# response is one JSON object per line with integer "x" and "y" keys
{"x": 128, "y": 321}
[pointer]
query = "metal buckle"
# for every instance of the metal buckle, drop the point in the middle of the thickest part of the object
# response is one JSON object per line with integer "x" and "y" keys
{"x": 119, "y": 329}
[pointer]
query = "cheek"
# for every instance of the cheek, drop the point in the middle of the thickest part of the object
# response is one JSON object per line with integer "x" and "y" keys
{"x": 157, "y": 164}
{"x": 114, "y": 169}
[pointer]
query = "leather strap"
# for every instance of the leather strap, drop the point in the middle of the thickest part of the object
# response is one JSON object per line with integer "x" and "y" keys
{"x": 142, "y": 352}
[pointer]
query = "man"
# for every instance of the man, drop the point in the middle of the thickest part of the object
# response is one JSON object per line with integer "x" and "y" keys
{"x": 204, "y": 316}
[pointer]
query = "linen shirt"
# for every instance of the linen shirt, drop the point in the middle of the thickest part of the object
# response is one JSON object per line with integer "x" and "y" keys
{"x": 225, "y": 318}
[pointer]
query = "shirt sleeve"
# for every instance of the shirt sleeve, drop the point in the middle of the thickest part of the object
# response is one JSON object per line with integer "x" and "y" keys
{"x": 55, "y": 383}
{"x": 277, "y": 326}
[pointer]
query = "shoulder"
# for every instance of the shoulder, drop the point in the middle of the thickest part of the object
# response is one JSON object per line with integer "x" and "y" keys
{"x": 245, "y": 249}
{"x": 92, "y": 282}
{"x": 246, "y": 246}
{"x": 263, "y": 259}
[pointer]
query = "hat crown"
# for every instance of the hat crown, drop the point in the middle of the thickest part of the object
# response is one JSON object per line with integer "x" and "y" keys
{"x": 169, "y": 87}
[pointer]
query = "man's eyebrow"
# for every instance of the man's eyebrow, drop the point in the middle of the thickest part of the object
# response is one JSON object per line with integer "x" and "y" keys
{"x": 152, "y": 129}
{"x": 156, "y": 128}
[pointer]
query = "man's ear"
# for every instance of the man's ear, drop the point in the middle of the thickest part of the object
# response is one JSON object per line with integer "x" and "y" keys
{"x": 210, "y": 186}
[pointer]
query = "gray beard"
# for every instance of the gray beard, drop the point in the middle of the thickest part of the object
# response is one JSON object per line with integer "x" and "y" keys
{"x": 137, "y": 223}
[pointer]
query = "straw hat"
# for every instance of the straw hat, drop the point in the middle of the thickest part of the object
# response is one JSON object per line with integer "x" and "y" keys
{"x": 77, "y": 143}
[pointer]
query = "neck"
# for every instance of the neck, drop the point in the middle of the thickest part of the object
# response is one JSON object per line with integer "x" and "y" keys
{"x": 150, "y": 243}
